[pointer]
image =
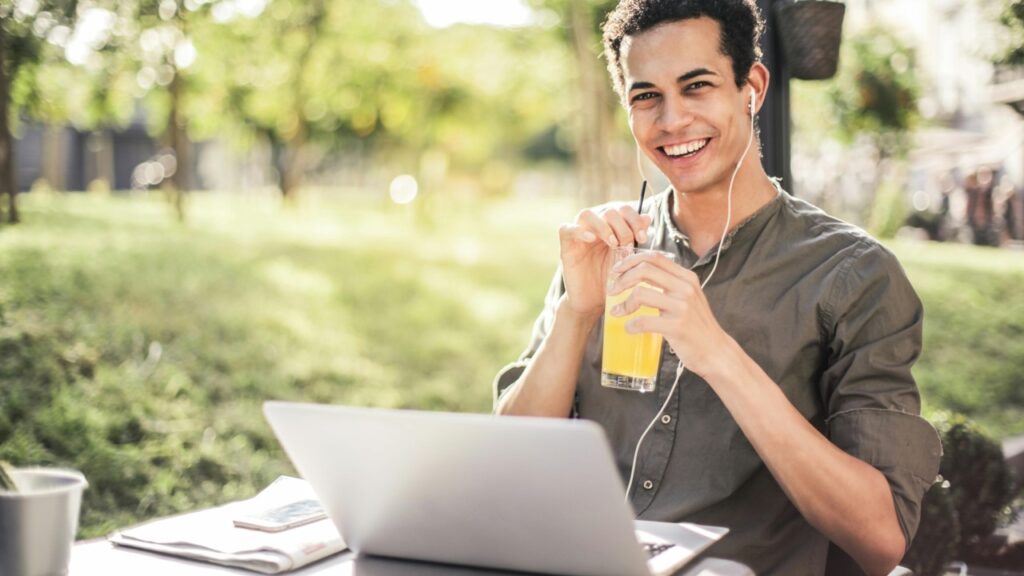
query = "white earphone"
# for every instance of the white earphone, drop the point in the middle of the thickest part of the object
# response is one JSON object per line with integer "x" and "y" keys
{"x": 718, "y": 253}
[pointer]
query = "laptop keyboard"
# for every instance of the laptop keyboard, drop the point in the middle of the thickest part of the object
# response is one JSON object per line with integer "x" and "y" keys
{"x": 654, "y": 549}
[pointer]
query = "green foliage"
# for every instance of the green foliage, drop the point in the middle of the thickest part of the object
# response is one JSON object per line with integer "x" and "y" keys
{"x": 938, "y": 535}
{"x": 876, "y": 90}
{"x": 377, "y": 74}
{"x": 969, "y": 505}
{"x": 29, "y": 58}
{"x": 982, "y": 487}
{"x": 974, "y": 319}
{"x": 1012, "y": 20}
{"x": 812, "y": 107}
{"x": 6, "y": 481}
{"x": 339, "y": 76}
{"x": 888, "y": 210}
{"x": 140, "y": 351}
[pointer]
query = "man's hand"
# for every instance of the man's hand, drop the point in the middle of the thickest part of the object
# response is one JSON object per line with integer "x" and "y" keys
{"x": 845, "y": 498}
{"x": 686, "y": 320}
{"x": 584, "y": 252}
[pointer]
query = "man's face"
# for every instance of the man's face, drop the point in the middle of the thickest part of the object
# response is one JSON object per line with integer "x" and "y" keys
{"x": 685, "y": 110}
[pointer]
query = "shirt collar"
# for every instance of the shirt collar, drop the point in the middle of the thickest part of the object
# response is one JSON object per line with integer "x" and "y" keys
{"x": 672, "y": 235}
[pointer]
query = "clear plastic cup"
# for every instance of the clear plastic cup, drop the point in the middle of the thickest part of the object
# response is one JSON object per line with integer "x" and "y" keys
{"x": 629, "y": 361}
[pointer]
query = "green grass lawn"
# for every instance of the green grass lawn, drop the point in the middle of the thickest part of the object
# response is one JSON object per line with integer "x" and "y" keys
{"x": 140, "y": 350}
{"x": 973, "y": 359}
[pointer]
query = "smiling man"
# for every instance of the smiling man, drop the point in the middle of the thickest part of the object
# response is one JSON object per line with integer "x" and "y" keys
{"x": 785, "y": 407}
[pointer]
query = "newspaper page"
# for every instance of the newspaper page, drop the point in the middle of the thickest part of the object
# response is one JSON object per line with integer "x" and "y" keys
{"x": 211, "y": 535}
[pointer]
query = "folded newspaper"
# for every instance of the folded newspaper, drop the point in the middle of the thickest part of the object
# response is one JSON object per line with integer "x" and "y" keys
{"x": 211, "y": 535}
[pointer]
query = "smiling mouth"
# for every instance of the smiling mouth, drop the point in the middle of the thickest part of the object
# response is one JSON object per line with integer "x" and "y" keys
{"x": 685, "y": 150}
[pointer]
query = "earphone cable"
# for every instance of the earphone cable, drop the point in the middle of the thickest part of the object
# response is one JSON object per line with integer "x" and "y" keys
{"x": 718, "y": 254}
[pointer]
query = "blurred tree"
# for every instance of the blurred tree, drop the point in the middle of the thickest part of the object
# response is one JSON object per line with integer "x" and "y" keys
{"x": 315, "y": 79}
{"x": 876, "y": 91}
{"x": 983, "y": 485}
{"x": 30, "y": 30}
{"x": 274, "y": 91}
{"x": 874, "y": 98}
{"x": 974, "y": 497}
{"x": 323, "y": 77}
{"x": 597, "y": 125}
{"x": 133, "y": 52}
{"x": 938, "y": 535}
{"x": 492, "y": 93}
{"x": 120, "y": 52}
{"x": 1012, "y": 19}
{"x": 303, "y": 73}
{"x": 162, "y": 46}
{"x": 312, "y": 79}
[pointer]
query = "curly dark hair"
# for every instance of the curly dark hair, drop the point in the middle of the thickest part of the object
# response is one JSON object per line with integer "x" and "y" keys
{"x": 741, "y": 22}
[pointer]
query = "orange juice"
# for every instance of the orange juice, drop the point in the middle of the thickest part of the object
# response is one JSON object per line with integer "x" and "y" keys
{"x": 629, "y": 361}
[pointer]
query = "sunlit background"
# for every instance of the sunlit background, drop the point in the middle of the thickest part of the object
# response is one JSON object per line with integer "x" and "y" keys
{"x": 227, "y": 201}
{"x": 444, "y": 13}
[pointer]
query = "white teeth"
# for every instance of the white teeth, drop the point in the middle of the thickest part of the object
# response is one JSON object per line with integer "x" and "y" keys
{"x": 685, "y": 149}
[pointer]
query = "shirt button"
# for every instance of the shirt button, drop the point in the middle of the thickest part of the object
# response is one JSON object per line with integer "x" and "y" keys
{"x": 648, "y": 484}
{"x": 666, "y": 419}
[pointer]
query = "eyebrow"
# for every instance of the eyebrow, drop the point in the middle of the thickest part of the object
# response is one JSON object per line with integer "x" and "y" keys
{"x": 685, "y": 77}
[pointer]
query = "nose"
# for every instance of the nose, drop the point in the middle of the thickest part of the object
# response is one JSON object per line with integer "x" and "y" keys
{"x": 675, "y": 114}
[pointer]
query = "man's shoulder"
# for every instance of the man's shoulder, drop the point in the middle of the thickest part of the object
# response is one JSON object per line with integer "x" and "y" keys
{"x": 847, "y": 251}
{"x": 817, "y": 227}
{"x": 855, "y": 258}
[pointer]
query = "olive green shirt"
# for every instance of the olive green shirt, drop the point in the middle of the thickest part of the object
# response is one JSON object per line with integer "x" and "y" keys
{"x": 829, "y": 315}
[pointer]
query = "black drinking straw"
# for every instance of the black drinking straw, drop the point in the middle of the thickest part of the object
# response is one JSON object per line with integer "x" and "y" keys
{"x": 640, "y": 208}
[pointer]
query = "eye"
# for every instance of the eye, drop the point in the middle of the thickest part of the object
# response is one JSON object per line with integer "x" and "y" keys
{"x": 642, "y": 97}
{"x": 698, "y": 85}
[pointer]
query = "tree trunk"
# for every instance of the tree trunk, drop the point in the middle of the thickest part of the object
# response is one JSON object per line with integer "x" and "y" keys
{"x": 596, "y": 173}
{"x": 293, "y": 168}
{"x": 292, "y": 171}
{"x": 54, "y": 157}
{"x": 99, "y": 161}
{"x": 289, "y": 172}
{"x": 177, "y": 140}
{"x": 277, "y": 158}
{"x": 8, "y": 183}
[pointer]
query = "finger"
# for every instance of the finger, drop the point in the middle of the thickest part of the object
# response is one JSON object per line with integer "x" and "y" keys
{"x": 591, "y": 221}
{"x": 637, "y": 222}
{"x": 573, "y": 232}
{"x": 623, "y": 233}
{"x": 662, "y": 261}
{"x": 652, "y": 324}
{"x": 643, "y": 296}
{"x": 653, "y": 258}
{"x": 648, "y": 273}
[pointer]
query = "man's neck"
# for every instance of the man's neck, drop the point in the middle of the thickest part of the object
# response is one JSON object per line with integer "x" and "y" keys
{"x": 701, "y": 214}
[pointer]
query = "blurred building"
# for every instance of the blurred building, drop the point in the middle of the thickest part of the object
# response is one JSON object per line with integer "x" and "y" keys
{"x": 69, "y": 159}
{"x": 969, "y": 123}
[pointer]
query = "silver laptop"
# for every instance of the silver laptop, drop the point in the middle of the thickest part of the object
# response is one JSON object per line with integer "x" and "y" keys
{"x": 527, "y": 494}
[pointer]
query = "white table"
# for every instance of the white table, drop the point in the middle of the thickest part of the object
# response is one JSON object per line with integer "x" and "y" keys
{"x": 100, "y": 558}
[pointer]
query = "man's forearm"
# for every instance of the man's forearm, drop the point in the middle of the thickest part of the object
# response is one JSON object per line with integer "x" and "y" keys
{"x": 846, "y": 499}
{"x": 548, "y": 385}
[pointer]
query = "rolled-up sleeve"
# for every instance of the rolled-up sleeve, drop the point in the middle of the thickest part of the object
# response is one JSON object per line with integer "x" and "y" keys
{"x": 511, "y": 373}
{"x": 874, "y": 324}
{"x": 904, "y": 447}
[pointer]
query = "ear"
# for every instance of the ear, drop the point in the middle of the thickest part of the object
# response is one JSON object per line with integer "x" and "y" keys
{"x": 758, "y": 80}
